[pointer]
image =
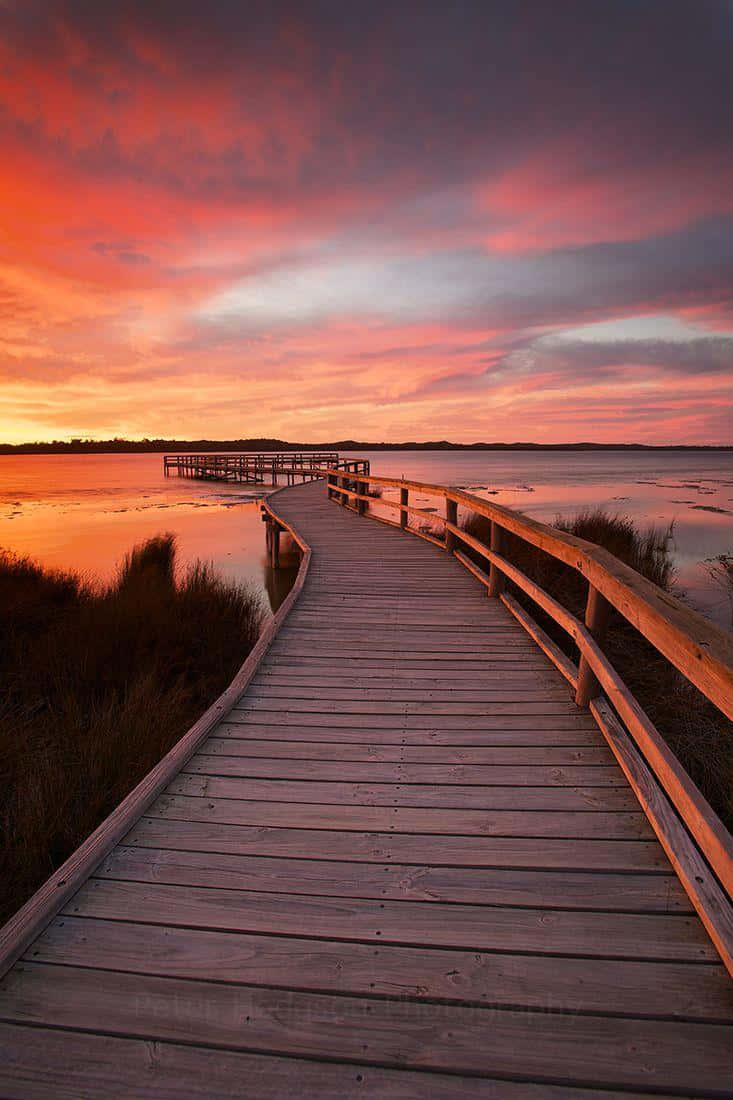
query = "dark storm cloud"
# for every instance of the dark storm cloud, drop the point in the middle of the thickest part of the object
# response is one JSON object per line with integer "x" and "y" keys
{"x": 415, "y": 90}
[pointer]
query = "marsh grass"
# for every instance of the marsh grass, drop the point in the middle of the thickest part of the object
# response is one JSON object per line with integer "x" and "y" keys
{"x": 97, "y": 684}
{"x": 699, "y": 734}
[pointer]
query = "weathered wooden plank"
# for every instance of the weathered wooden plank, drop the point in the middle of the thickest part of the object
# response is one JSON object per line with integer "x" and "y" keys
{"x": 443, "y": 924}
{"x": 389, "y": 640}
{"x": 395, "y": 674}
{"x": 629, "y": 988}
{"x": 364, "y": 707}
{"x": 329, "y": 617}
{"x": 354, "y": 764}
{"x": 212, "y": 783}
{"x": 454, "y": 746}
{"x": 406, "y": 819}
{"x": 567, "y": 738}
{"x": 398, "y": 694}
{"x": 371, "y": 663}
{"x": 572, "y": 1048}
{"x": 326, "y": 627}
{"x": 37, "y": 1062}
{"x": 464, "y": 851}
{"x": 405, "y": 722}
{"x": 557, "y": 889}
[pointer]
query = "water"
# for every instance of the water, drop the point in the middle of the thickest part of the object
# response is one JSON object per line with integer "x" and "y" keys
{"x": 85, "y": 511}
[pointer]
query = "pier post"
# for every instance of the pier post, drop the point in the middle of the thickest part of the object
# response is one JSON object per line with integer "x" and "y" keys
{"x": 496, "y": 577}
{"x": 597, "y": 611}
{"x": 451, "y": 515}
{"x": 404, "y": 495}
{"x": 275, "y": 546}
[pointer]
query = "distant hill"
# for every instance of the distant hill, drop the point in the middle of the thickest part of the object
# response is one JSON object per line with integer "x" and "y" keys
{"x": 147, "y": 446}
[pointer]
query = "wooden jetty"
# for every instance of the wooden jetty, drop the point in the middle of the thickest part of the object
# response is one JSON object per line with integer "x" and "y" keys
{"x": 260, "y": 468}
{"x": 414, "y": 851}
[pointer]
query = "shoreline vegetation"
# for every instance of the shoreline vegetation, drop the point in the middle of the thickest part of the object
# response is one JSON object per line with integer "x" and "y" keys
{"x": 697, "y": 732}
{"x": 98, "y": 683}
{"x": 154, "y": 446}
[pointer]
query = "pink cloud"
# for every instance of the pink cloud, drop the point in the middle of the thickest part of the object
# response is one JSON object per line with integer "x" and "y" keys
{"x": 567, "y": 195}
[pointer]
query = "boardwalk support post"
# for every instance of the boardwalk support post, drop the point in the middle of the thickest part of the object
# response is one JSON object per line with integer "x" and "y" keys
{"x": 404, "y": 493}
{"x": 597, "y": 610}
{"x": 451, "y": 516}
{"x": 496, "y": 577}
{"x": 275, "y": 546}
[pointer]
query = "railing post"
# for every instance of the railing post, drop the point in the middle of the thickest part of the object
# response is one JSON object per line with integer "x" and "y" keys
{"x": 597, "y": 610}
{"x": 275, "y": 546}
{"x": 451, "y": 515}
{"x": 361, "y": 488}
{"x": 496, "y": 577}
{"x": 403, "y": 501}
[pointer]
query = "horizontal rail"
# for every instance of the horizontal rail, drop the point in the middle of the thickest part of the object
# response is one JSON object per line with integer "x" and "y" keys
{"x": 701, "y": 886}
{"x": 697, "y": 648}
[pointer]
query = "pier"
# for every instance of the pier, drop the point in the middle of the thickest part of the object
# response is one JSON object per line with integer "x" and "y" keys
{"x": 414, "y": 851}
{"x": 262, "y": 468}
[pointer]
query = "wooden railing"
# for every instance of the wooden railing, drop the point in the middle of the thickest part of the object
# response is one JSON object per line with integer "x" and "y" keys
{"x": 697, "y": 648}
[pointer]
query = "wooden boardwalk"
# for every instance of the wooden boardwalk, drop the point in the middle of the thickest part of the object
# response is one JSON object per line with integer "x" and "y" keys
{"x": 405, "y": 864}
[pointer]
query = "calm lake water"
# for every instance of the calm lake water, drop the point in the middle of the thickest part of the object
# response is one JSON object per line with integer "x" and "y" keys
{"x": 86, "y": 511}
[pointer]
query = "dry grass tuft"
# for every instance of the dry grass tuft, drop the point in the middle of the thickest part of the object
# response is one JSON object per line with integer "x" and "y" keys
{"x": 699, "y": 734}
{"x": 97, "y": 685}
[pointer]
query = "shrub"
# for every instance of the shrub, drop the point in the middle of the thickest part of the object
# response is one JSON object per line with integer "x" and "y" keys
{"x": 98, "y": 683}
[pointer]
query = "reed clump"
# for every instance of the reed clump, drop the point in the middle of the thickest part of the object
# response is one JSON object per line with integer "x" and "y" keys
{"x": 699, "y": 734}
{"x": 98, "y": 683}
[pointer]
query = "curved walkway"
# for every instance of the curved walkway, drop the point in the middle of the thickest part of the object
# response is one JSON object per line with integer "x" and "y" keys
{"x": 404, "y": 865}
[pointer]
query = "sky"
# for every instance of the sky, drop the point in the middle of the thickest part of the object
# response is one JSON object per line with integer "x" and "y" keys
{"x": 501, "y": 220}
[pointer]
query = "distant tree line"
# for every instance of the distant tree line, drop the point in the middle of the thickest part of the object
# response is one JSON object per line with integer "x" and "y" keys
{"x": 147, "y": 446}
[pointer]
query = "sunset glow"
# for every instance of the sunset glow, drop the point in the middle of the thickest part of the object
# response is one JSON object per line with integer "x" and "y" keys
{"x": 483, "y": 222}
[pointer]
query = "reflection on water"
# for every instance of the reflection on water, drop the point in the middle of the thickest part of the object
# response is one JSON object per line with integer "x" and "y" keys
{"x": 85, "y": 511}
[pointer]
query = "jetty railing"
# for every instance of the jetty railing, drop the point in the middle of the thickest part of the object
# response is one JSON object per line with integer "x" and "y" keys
{"x": 697, "y": 648}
